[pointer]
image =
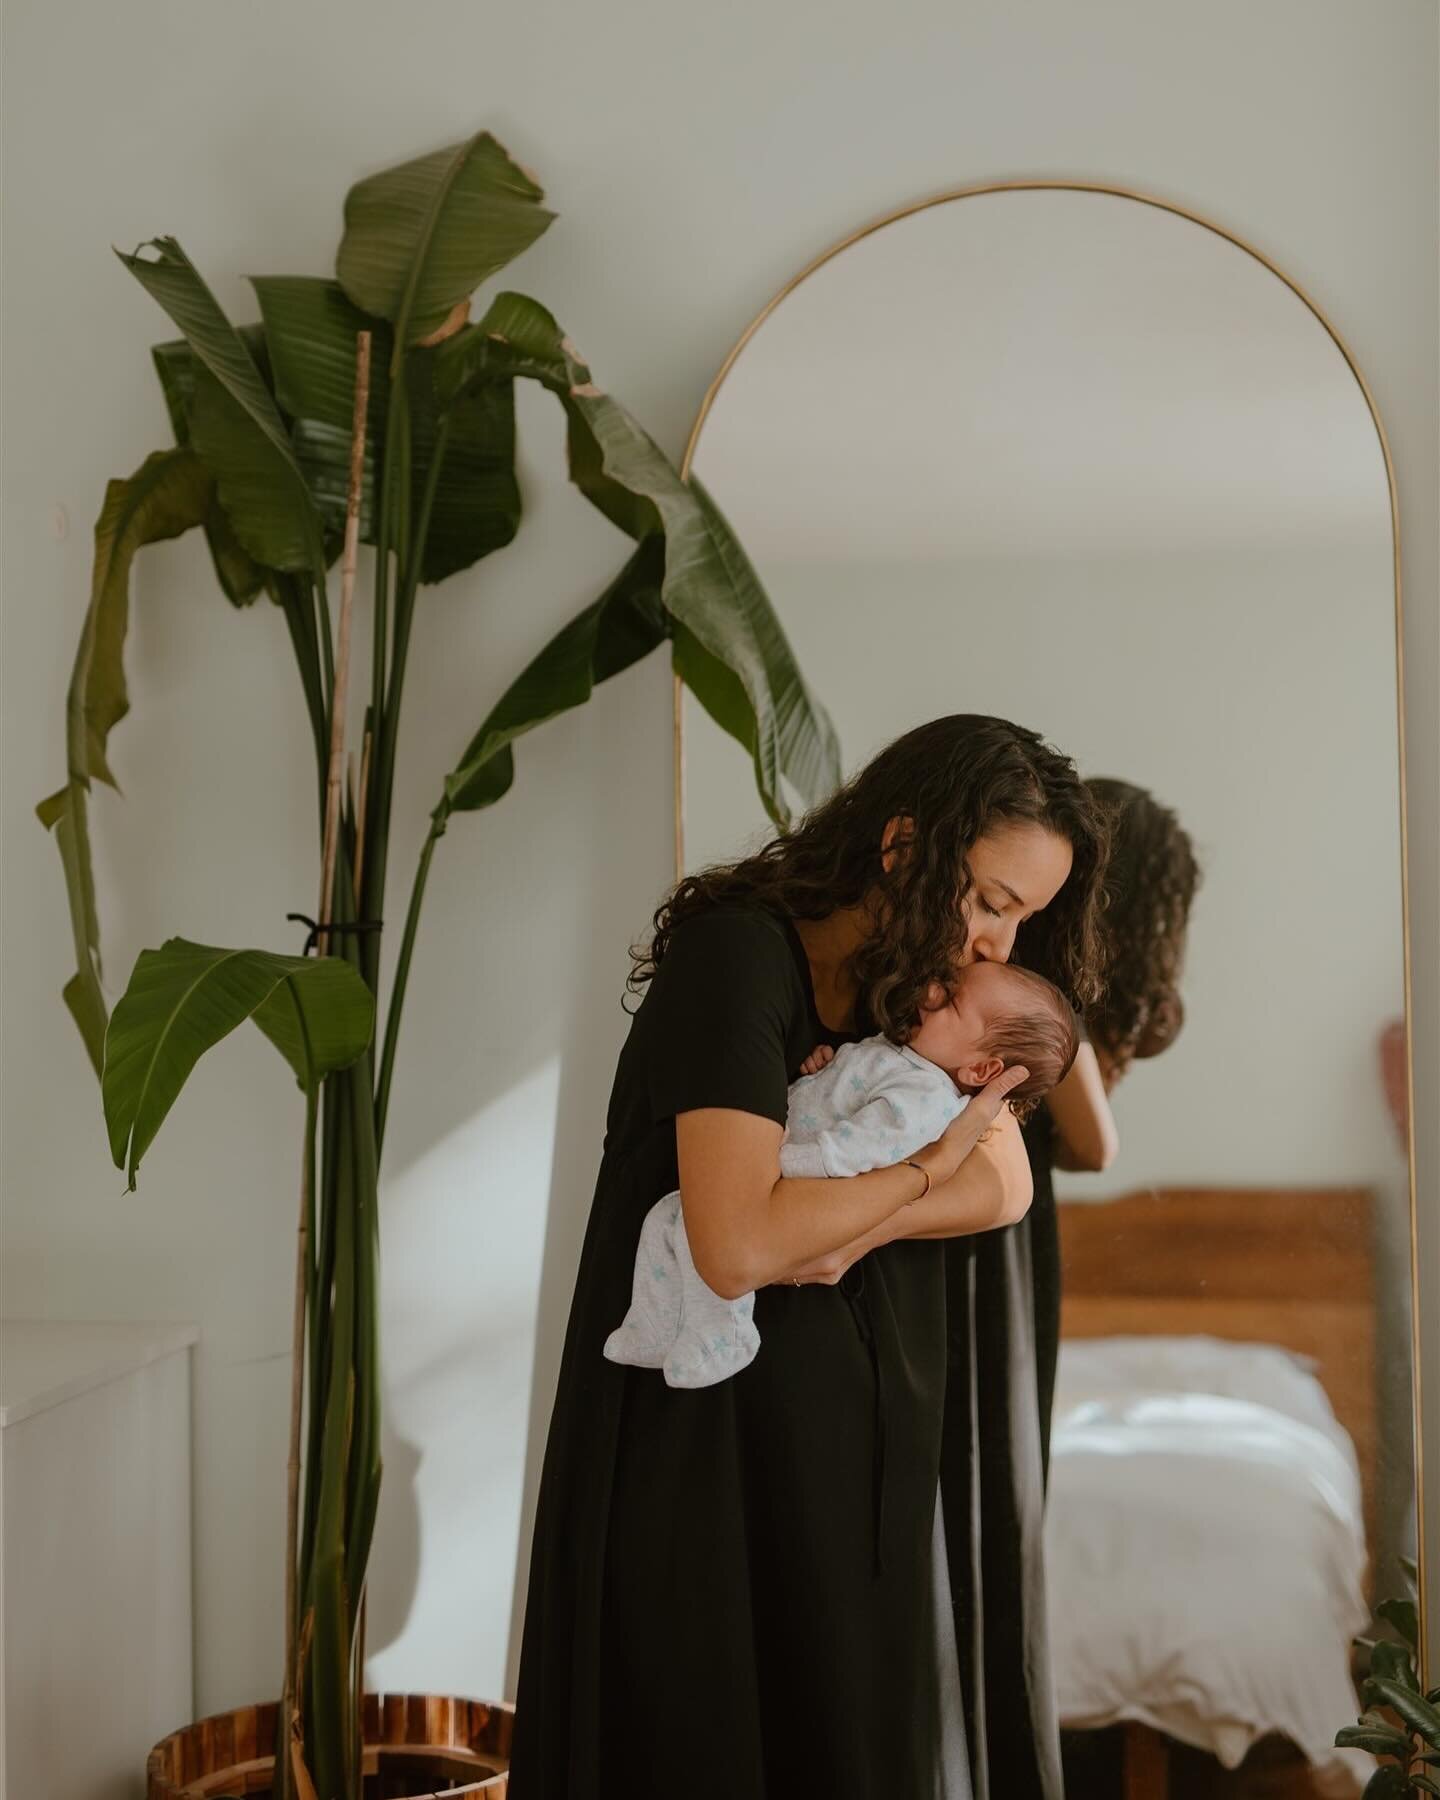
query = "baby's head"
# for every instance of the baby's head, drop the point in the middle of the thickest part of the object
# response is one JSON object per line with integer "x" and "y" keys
{"x": 995, "y": 1017}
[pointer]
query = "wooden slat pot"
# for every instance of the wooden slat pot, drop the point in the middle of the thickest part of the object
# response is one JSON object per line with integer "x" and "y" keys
{"x": 416, "y": 1746}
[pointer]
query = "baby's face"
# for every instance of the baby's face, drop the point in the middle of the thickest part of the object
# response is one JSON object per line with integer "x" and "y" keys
{"x": 952, "y": 1034}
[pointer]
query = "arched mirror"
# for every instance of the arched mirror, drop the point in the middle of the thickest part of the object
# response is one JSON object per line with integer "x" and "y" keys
{"x": 1078, "y": 459}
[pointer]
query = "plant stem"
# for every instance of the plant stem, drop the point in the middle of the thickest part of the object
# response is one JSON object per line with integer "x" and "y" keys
{"x": 396, "y": 423}
{"x": 304, "y": 1286}
{"x": 363, "y": 1485}
{"x": 340, "y": 685}
{"x": 386, "y": 695}
{"x": 327, "y": 1689}
{"x": 405, "y": 607}
{"x": 402, "y": 979}
{"x": 300, "y": 622}
{"x": 388, "y": 738}
{"x": 321, "y": 603}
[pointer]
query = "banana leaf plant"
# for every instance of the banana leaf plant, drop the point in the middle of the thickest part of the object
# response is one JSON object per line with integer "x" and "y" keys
{"x": 265, "y": 420}
{"x": 1400, "y": 1726}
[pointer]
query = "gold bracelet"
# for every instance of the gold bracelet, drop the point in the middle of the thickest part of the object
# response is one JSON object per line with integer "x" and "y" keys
{"x": 910, "y": 1163}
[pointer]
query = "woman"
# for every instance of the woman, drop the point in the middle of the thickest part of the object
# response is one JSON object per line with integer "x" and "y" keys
{"x": 1150, "y": 888}
{"x": 735, "y": 1591}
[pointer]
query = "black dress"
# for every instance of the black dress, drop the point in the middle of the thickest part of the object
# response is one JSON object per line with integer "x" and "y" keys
{"x": 732, "y": 1589}
{"x": 1042, "y": 1228}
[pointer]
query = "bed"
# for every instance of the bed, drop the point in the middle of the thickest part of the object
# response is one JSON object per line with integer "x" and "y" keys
{"x": 1213, "y": 1467}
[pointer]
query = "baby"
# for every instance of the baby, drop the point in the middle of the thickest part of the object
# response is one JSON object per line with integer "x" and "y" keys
{"x": 876, "y": 1103}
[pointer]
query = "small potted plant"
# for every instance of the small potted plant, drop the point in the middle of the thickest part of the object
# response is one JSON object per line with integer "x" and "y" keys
{"x": 1401, "y": 1724}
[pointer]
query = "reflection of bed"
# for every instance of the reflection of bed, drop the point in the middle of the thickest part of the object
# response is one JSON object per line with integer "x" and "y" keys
{"x": 1206, "y": 1531}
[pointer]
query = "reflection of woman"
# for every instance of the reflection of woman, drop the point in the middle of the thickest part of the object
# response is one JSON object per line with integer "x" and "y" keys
{"x": 1150, "y": 886}
{"x": 746, "y": 1589}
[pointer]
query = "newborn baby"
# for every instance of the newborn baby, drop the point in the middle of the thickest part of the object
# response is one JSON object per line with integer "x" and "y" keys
{"x": 875, "y": 1104}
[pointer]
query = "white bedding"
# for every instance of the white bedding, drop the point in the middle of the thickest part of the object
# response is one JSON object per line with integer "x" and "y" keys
{"x": 1205, "y": 1545}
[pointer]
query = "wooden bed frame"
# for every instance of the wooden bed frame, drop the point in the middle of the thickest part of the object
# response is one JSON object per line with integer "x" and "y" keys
{"x": 1258, "y": 1265}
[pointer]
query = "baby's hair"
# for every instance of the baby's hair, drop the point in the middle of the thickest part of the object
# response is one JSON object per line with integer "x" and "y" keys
{"x": 1041, "y": 1033}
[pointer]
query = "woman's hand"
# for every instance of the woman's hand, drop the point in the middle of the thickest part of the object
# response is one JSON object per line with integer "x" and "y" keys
{"x": 993, "y": 1204}
{"x": 941, "y": 1159}
{"x": 826, "y": 1271}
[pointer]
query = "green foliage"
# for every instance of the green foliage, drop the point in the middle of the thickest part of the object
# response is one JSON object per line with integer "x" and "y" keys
{"x": 1406, "y": 1726}
{"x": 183, "y": 998}
{"x": 420, "y": 238}
{"x": 169, "y": 493}
{"x": 729, "y": 644}
{"x": 262, "y": 418}
{"x": 233, "y": 423}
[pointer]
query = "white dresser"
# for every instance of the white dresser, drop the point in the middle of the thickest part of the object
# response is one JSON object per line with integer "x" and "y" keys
{"x": 95, "y": 1626}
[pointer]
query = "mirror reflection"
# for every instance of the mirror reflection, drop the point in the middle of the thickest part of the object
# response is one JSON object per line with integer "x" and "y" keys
{"x": 1075, "y": 461}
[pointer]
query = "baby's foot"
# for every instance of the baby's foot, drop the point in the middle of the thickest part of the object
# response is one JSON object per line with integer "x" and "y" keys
{"x": 716, "y": 1337}
{"x": 640, "y": 1341}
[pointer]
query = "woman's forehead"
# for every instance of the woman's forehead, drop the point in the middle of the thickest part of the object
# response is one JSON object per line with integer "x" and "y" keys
{"x": 1032, "y": 861}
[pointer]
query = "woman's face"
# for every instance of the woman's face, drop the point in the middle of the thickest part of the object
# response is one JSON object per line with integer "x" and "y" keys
{"x": 1016, "y": 871}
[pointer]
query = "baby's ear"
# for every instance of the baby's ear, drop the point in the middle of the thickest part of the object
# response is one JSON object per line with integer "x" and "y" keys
{"x": 978, "y": 1074}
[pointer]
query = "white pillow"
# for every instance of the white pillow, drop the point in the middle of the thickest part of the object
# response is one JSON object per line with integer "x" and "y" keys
{"x": 1265, "y": 1374}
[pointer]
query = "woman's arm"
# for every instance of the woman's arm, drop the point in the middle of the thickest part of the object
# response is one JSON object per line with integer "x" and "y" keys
{"x": 991, "y": 1188}
{"x": 1085, "y": 1132}
{"x": 746, "y": 1228}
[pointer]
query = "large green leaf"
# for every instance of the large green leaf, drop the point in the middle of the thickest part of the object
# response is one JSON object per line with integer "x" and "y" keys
{"x": 241, "y": 578}
{"x": 625, "y": 624}
{"x": 310, "y": 328}
{"x": 233, "y": 421}
{"x": 310, "y": 332}
{"x": 1395, "y": 1662}
{"x": 184, "y": 997}
{"x": 733, "y": 645}
{"x": 420, "y": 238}
{"x": 476, "y": 506}
{"x": 64, "y": 813}
{"x": 1404, "y": 1616}
{"x": 170, "y": 492}
{"x": 519, "y": 340}
{"x": 1379, "y": 1740}
{"x": 1414, "y": 1709}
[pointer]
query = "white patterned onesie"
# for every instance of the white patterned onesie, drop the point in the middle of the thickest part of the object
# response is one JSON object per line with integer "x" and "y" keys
{"x": 874, "y": 1105}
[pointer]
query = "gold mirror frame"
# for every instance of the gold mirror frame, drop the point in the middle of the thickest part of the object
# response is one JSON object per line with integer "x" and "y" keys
{"x": 1122, "y": 193}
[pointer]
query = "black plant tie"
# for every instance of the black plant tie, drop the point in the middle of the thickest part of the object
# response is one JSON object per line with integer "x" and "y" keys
{"x": 338, "y": 927}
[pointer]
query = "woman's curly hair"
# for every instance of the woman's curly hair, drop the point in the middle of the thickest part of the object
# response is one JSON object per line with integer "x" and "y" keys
{"x": 950, "y": 782}
{"x": 1149, "y": 888}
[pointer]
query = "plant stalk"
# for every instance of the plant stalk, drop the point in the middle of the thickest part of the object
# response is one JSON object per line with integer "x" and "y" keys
{"x": 304, "y": 1282}
{"x": 306, "y": 1291}
{"x": 396, "y": 426}
{"x": 361, "y": 804}
{"x": 340, "y": 689}
{"x": 402, "y": 980}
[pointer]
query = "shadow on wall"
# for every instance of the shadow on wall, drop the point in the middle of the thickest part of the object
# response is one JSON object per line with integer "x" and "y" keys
{"x": 512, "y": 1029}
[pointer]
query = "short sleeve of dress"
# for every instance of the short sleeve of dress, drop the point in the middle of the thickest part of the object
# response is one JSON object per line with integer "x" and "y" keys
{"x": 718, "y": 1015}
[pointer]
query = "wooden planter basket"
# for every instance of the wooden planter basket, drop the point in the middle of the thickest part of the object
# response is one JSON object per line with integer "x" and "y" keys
{"x": 416, "y": 1746}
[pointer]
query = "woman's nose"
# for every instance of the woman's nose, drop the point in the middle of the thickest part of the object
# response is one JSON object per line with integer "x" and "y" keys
{"x": 993, "y": 942}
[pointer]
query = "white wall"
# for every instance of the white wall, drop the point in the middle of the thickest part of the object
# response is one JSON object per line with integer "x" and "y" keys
{"x": 697, "y": 157}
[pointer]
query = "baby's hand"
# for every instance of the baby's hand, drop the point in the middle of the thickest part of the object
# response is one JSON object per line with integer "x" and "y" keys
{"x": 817, "y": 1059}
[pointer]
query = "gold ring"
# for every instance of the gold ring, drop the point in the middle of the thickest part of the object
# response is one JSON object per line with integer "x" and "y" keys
{"x": 796, "y": 1280}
